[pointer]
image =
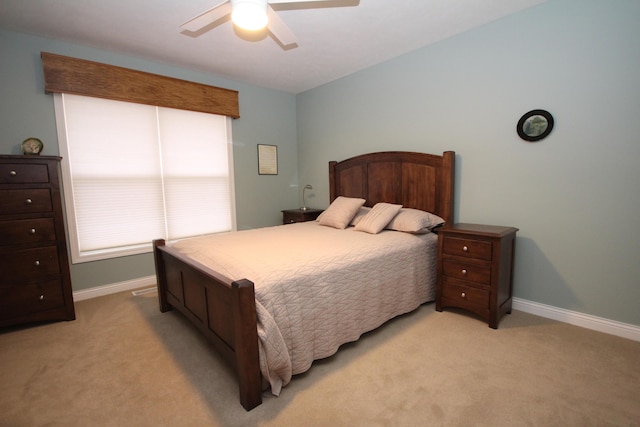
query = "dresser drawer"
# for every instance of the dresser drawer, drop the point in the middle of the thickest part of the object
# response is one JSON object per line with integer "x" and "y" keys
{"x": 30, "y": 200}
{"x": 467, "y": 247}
{"x": 21, "y": 300}
{"x": 27, "y": 231}
{"x": 465, "y": 295}
{"x": 470, "y": 272}
{"x": 28, "y": 264}
{"x": 17, "y": 173}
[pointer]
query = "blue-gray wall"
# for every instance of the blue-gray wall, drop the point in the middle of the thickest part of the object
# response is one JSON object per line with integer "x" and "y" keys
{"x": 266, "y": 117}
{"x": 574, "y": 196}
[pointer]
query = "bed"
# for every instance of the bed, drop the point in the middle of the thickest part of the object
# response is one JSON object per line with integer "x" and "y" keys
{"x": 272, "y": 316}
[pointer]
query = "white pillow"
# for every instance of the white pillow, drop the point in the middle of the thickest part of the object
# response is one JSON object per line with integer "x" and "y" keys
{"x": 378, "y": 217}
{"x": 361, "y": 213}
{"x": 414, "y": 221}
{"x": 341, "y": 211}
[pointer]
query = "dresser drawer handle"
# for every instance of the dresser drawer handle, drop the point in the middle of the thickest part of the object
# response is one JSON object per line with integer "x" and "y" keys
{"x": 13, "y": 173}
{"x": 37, "y": 263}
{"x": 41, "y": 297}
{"x": 32, "y": 231}
{"x": 463, "y": 295}
{"x": 464, "y": 272}
{"x": 465, "y": 248}
{"x": 28, "y": 201}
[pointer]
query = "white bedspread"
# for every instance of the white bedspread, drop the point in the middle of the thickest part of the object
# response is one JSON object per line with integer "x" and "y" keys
{"x": 318, "y": 287}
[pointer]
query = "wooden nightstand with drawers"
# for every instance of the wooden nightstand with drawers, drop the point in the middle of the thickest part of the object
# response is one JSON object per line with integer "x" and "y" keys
{"x": 35, "y": 284}
{"x": 475, "y": 269}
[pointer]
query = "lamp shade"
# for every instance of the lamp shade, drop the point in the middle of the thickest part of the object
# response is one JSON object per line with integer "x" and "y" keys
{"x": 249, "y": 14}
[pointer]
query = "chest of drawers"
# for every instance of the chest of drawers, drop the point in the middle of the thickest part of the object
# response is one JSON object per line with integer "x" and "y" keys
{"x": 475, "y": 269}
{"x": 35, "y": 283}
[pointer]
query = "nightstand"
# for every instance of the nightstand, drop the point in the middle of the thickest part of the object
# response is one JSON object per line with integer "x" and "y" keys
{"x": 289, "y": 216}
{"x": 475, "y": 269}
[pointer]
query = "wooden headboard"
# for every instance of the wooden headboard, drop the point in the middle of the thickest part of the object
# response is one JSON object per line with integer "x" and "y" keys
{"x": 414, "y": 180}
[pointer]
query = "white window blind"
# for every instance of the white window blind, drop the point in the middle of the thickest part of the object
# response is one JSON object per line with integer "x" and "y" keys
{"x": 133, "y": 173}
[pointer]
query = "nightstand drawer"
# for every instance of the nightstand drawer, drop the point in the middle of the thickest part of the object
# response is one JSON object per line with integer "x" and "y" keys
{"x": 27, "y": 231}
{"x": 465, "y": 271}
{"x": 464, "y": 295}
{"x": 32, "y": 200}
{"x": 290, "y": 216}
{"x": 468, "y": 248}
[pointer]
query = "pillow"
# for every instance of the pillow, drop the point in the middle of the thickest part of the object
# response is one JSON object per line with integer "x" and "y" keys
{"x": 340, "y": 212}
{"x": 361, "y": 213}
{"x": 414, "y": 221}
{"x": 378, "y": 217}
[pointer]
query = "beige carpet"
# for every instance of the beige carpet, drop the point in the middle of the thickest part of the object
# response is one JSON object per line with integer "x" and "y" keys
{"x": 422, "y": 369}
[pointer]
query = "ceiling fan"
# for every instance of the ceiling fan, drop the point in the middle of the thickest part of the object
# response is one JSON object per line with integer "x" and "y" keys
{"x": 253, "y": 15}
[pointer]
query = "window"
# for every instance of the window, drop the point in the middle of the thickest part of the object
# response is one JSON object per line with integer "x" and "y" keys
{"x": 133, "y": 173}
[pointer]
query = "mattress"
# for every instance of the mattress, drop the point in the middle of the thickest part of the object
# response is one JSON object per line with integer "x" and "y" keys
{"x": 318, "y": 287}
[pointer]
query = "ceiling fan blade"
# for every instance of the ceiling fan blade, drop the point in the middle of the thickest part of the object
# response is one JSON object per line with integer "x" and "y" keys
{"x": 279, "y": 29}
{"x": 208, "y": 17}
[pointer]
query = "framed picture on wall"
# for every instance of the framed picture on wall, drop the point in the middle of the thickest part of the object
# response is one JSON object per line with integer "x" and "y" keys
{"x": 535, "y": 125}
{"x": 267, "y": 159}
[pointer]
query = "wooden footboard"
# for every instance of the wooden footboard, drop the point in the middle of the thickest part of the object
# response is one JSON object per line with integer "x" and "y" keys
{"x": 224, "y": 310}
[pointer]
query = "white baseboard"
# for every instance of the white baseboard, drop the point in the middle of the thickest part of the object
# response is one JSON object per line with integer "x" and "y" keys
{"x": 624, "y": 330}
{"x": 99, "y": 291}
{"x": 600, "y": 324}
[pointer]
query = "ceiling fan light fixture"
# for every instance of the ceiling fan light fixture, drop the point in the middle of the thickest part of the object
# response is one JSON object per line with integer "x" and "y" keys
{"x": 249, "y": 14}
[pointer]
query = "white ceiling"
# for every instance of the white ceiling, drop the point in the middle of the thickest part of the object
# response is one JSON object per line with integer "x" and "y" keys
{"x": 332, "y": 41}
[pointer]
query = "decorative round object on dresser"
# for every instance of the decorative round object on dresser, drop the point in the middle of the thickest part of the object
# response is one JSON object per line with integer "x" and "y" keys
{"x": 32, "y": 146}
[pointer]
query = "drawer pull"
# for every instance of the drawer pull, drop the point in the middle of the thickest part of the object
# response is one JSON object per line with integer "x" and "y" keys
{"x": 13, "y": 173}
{"x": 41, "y": 297}
{"x": 463, "y": 295}
{"x": 37, "y": 263}
{"x": 32, "y": 231}
{"x": 465, "y": 248}
{"x": 464, "y": 272}
{"x": 28, "y": 201}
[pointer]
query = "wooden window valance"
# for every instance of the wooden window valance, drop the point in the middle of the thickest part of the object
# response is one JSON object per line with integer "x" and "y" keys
{"x": 63, "y": 74}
